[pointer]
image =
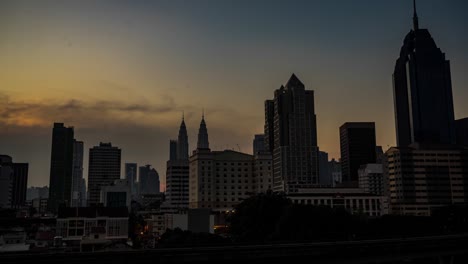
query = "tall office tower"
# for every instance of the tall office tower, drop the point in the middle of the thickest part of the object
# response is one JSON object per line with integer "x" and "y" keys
{"x": 131, "y": 176}
{"x": 104, "y": 169}
{"x": 77, "y": 196}
{"x": 19, "y": 184}
{"x": 269, "y": 125}
{"x": 357, "y": 143}
{"x": 182, "y": 142}
{"x": 173, "y": 149}
{"x": 325, "y": 177}
{"x": 422, "y": 89}
{"x": 461, "y": 127}
{"x": 292, "y": 124}
{"x": 149, "y": 180}
{"x": 61, "y": 167}
{"x": 6, "y": 177}
{"x": 259, "y": 144}
{"x": 202, "y": 142}
{"x": 177, "y": 173}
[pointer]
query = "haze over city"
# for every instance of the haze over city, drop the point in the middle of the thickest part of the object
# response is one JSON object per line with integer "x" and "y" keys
{"x": 123, "y": 72}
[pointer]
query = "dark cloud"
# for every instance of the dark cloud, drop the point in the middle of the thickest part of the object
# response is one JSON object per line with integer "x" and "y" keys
{"x": 141, "y": 129}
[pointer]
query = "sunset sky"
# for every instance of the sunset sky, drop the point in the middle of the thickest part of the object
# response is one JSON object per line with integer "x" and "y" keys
{"x": 123, "y": 71}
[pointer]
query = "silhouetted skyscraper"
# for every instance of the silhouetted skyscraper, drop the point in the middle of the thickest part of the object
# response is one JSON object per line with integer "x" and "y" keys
{"x": 182, "y": 142}
{"x": 173, "y": 149}
{"x": 177, "y": 174}
{"x": 61, "y": 167}
{"x": 295, "y": 150}
{"x": 77, "y": 197}
{"x": 325, "y": 176}
{"x": 131, "y": 176}
{"x": 149, "y": 180}
{"x": 104, "y": 169}
{"x": 357, "y": 143}
{"x": 422, "y": 89}
{"x": 19, "y": 184}
{"x": 259, "y": 144}
{"x": 202, "y": 142}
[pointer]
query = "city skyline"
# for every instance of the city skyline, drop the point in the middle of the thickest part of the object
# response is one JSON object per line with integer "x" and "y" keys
{"x": 341, "y": 93}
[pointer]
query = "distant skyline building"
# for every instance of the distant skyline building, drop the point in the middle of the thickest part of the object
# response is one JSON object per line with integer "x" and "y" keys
{"x": 325, "y": 177}
{"x": 422, "y": 89}
{"x": 182, "y": 142}
{"x": 357, "y": 144}
{"x": 104, "y": 169}
{"x": 259, "y": 144}
{"x": 61, "y": 167}
{"x": 131, "y": 175}
{"x": 78, "y": 197}
{"x": 37, "y": 192}
{"x": 173, "y": 149}
{"x": 335, "y": 170}
{"x": 177, "y": 173}
{"x": 149, "y": 180}
{"x": 13, "y": 183}
{"x": 202, "y": 142}
{"x": 290, "y": 125}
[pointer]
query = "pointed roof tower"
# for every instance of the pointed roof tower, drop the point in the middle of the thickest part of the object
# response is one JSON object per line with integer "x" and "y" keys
{"x": 294, "y": 82}
{"x": 415, "y": 17}
{"x": 202, "y": 142}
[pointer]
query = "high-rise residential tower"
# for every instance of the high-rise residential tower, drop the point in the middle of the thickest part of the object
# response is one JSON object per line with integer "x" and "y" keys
{"x": 422, "y": 89}
{"x": 104, "y": 169}
{"x": 61, "y": 167}
{"x": 290, "y": 125}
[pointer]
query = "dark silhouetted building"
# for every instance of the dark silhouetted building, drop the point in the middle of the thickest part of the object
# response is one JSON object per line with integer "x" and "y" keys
{"x": 259, "y": 144}
{"x": 325, "y": 176}
{"x": 104, "y": 169}
{"x": 292, "y": 124}
{"x": 177, "y": 172}
{"x": 203, "y": 142}
{"x": 131, "y": 176}
{"x": 13, "y": 183}
{"x": 149, "y": 180}
{"x": 78, "y": 197}
{"x": 357, "y": 143}
{"x": 422, "y": 89}
{"x": 173, "y": 150}
{"x": 461, "y": 128}
{"x": 61, "y": 167}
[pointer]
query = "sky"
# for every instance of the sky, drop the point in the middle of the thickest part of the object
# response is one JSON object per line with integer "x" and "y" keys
{"x": 124, "y": 71}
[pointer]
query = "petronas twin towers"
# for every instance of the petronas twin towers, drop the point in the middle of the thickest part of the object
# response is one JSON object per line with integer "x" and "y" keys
{"x": 182, "y": 140}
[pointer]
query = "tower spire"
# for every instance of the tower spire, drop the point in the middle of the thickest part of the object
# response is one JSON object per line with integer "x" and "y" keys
{"x": 203, "y": 113}
{"x": 182, "y": 115}
{"x": 415, "y": 17}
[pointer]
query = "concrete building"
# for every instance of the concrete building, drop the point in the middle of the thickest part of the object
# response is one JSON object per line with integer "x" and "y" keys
{"x": 259, "y": 144}
{"x": 61, "y": 167}
{"x": 78, "y": 197}
{"x": 104, "y": 169}
{"x": 77, "y": 224}
{"x": 131, "y": 176}
{"x": 420, "y": 178}
{"x": 335, "y": 170}
{"x": 371, "y": 178}
{"x": 355, "y": 200}
{"x": 116, "y": 195}
{"x": 357, "y": 144}
{"x": 291, "y": 136}
{"x": 263, "y": 172}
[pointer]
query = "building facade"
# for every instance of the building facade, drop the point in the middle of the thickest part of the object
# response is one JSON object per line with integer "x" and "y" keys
{"x": 149, "y": 180}
{"x": 104, "y": 169}
{"x": 357, "y": 145}
{"x": 78, "y": 197}
{"x": 423, "y": 178}
{"x": 291, "y": 135}
{"x": 116, "y": 195}
{"x": 259, "y": 144}
{"x": 61, "y": 167}
{"x": 371, "y": 178}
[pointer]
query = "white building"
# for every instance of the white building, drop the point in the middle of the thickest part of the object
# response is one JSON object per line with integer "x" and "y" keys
{"x": 116, "y": 195}
{"x": 351, "y": 199}
{"x": 371, "y": 178}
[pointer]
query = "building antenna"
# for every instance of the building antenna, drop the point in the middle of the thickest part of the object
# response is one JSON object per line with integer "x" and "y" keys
{"x": 415, "y": 17}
